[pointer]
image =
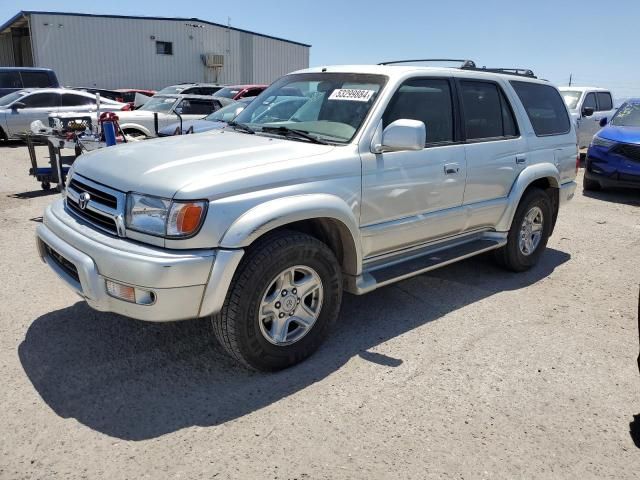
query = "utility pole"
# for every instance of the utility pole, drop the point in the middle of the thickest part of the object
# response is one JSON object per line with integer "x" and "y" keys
{"x": 570, "y": 78}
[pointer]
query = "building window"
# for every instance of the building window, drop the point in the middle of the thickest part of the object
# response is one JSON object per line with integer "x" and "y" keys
{"x": 164, "y": 48}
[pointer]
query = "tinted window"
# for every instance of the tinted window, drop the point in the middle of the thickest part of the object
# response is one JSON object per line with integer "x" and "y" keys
{"x": 36, "y": 79}
{"x": 590, "y": 101}
{"x": 71, "y": 100}
{"x": 545, "y": 108}
{"x": 427, "y": 100}
{"x": 486, "y": 112}
{"x": 42, "y": 100}
{"x": 197, "y": 107}
{"x": 605, "y": 102}
{"x": 10, "y": 80}
{"x": 164, "y": 48}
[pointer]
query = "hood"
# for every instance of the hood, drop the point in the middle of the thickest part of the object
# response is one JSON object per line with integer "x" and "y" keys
{"x": 198, "y": 126}
{"x": 621, "y": 134}
{"x": 166, "y": 165}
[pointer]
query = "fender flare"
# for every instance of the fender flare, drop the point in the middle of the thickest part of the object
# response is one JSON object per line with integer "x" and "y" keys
{"x": 136, "y": 126}
{"x": 529, "y": 175}
{"x": 276, "y": 213}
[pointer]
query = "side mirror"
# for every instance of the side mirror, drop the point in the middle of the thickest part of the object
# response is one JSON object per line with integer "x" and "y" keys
{"x": 17, "y": 105}
{"x": 604, "y": 121}
{"x": 178, "y": 110}
{"x": 403, "y": 134}
{"x": 587, "y": 111}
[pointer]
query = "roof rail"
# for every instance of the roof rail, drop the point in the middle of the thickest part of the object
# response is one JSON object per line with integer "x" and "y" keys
{"x": 465, "y": 63}
{"x": 521, "y": 72}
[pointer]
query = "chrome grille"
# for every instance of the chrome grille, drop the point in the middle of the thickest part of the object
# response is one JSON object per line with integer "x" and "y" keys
{"x": 105, "y": 207}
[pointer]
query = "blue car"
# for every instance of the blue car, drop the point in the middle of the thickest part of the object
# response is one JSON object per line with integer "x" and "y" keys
{"x": 613, "y": 158}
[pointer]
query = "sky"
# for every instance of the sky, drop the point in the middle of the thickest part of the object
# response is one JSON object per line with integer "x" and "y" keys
{"x": 594, "y": 41}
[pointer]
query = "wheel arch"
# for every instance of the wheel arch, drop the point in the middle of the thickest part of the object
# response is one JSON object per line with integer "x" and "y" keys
{"x": 138, "y": 128}
{"x": 325, "y": 217}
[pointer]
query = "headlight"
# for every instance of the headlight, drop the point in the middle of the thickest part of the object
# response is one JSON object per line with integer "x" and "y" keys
{"x": 602, "y": 142}
{"x": 163, "y": 217}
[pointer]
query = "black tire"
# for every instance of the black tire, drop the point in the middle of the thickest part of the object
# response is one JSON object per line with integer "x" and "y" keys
{"x": 237, "y": 326}
{"x": 135, "y": 133}
{"x": 590, "y": 185}
{"x": 510, "y": 256}
{"x": 45, "y": 186}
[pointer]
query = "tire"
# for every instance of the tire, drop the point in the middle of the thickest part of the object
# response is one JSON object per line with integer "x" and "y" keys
{"x": 253, "y": 339}
{"x": 135, "y": 134}
{"x": 590, "y": 185}
{"x": 512, "y": 256}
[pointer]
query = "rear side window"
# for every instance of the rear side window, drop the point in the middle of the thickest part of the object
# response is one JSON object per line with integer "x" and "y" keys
{"x": 545, "y": 108}
{"x": 197, "y": 107}
{"x": 10, "y": 80}
{"x": 605, "y": 102}
{"x": 426, "y": 100}
{"x": 486, "y": 111}
{"x": 72, "y": 100}
{"x": 36, "y": 80}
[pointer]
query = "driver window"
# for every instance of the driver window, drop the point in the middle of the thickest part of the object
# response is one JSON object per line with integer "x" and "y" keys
{"x": 42, "y": 100}
{"x": 590, "y": 101}
{"x": 426, "y": 100}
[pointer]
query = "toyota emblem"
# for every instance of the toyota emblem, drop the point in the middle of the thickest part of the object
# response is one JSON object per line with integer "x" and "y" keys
{"x": 83, "y": 200}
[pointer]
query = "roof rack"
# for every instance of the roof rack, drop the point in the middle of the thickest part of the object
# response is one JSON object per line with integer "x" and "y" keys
{"x": 469, "y": 65}
{"x": 465, "y": 63}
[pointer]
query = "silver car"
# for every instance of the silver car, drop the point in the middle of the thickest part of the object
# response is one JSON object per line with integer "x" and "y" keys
{"x": 19, "y": 109}
{"x": 383, "y": 173}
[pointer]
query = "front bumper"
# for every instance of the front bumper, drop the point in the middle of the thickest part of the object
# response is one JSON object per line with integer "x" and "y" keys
{"x": 185, "y": 283}
{"x": 611, "y": 169}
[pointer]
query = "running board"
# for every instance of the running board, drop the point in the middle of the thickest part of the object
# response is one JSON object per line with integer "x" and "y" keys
{"x": 380, "y": 275}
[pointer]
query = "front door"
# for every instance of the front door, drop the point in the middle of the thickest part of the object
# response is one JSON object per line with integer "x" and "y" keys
{"x": 413, "y": 197}
{"x": 37, "y": 106}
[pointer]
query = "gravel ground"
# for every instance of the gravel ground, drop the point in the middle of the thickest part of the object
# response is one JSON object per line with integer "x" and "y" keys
{"x": 466, "y": 372}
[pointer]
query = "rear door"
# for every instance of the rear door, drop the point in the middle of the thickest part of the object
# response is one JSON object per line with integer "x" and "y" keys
{"x": 38, "y": 106}
{"x": 72, "y": 102}
{"x": 495, "y": 151}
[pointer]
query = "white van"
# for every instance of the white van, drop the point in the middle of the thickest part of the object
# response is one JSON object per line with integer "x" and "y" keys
{"x": 588, "y": 105}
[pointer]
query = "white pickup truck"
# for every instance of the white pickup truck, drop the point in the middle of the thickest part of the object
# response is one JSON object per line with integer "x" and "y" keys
{"x": 588, "y": 106}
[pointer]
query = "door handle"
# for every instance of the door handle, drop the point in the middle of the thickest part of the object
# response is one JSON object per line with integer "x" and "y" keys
{"x": 521, "y": 159}
{"x": 451, "y": 168}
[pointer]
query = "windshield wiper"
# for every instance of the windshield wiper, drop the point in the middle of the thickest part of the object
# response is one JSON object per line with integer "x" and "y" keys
{"x": 286, "y": 131}
{"x": 240, "y": 126}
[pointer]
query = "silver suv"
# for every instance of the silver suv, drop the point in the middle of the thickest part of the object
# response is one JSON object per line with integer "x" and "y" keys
{"x": 383, "y": 173}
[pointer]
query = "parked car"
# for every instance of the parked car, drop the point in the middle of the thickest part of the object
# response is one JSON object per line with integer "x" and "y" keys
{"x": 13, "y": 79}
{"x": 104, "y": 93}
{"x": 122, "y": 95}
{"x": 236, "y": 92}
{"x": 588, "y": 105}
{"x": 191, "y": 89}
{"x": 278, "y": 108}
{"x": 19, "y": 109}
{"x": 128, "y": 95}
{"x": 213, "y": 121}
{"x": 140, "y": 122}
{"x": 613, "y": 159}
{"x": 385, "y": 172}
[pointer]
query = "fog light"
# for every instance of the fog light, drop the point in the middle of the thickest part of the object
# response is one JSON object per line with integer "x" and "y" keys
{"x": 130, "y": 294}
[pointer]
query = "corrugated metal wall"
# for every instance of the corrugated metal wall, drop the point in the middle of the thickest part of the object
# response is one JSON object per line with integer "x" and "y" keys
{"x": 120, "y": 53}
{"x": 6, "y": 50}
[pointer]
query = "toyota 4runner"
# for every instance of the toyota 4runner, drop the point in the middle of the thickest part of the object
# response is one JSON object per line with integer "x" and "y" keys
{"x": 383, "y": 173}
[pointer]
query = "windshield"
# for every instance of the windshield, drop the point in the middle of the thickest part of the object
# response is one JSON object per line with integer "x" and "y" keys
{"x": 571, "y": 98}
{"x": 627, "y": 116}
{"x": 227, "y": 92}
{"x": 12, "y": 97}
{"x": 332, "y": 106}
{"x": 227, "y": 113}
{"x": 159, "y": 104}
{"x": 173, "y": 89}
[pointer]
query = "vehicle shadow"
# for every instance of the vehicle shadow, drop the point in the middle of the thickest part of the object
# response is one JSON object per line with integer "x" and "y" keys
{"x": 34, "y": 194}
{"x": 11, "y": 143}
{"x": 135, "y": 380}
{"x": 623, "y": 196}
{"x": 634, "y": 430}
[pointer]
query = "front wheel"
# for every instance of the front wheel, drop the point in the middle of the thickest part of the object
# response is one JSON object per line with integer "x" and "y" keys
{"x": 530, "y": 230}
{"x": 282, "y": 302}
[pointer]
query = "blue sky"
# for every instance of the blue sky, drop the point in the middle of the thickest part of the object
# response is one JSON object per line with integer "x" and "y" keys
{"x": 597, "y": 41}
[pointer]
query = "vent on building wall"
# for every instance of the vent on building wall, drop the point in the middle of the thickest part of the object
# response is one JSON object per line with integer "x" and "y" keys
{"x": 214, "y": 63}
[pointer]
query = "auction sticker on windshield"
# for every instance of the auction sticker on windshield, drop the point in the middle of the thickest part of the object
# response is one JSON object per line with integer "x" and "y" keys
{"x": 352, "y": 94}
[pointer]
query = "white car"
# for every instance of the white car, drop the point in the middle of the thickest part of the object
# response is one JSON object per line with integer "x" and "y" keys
{"x": 19, "y": 109}
{"x": 140, "y": 122}
{"x": 588, "y": 105}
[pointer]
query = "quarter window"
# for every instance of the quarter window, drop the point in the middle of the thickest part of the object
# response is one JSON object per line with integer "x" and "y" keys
{"x": 545, "y": 108}
{"x": 164, "y": 48}
{"x": 605, "y": 102}
{"x": 486, "y": 111}
{"x": 426, "y": 100}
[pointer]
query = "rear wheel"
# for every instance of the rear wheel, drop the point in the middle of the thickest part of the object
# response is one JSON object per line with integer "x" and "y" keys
{"x": 282, "y": 302}
{"x": 529, "y": 232}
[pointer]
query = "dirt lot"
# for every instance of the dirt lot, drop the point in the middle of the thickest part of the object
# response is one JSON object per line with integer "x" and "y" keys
{"x": 466, "y": 372}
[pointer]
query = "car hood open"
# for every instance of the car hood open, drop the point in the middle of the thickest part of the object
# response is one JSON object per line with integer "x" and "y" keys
{"x": 165, "y": 166}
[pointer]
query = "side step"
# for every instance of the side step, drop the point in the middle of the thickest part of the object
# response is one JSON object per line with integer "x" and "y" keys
{"x": 380, "y": 275}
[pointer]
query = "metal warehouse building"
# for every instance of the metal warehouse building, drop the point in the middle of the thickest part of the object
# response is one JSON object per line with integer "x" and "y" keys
{"x": 112, "y": 51}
